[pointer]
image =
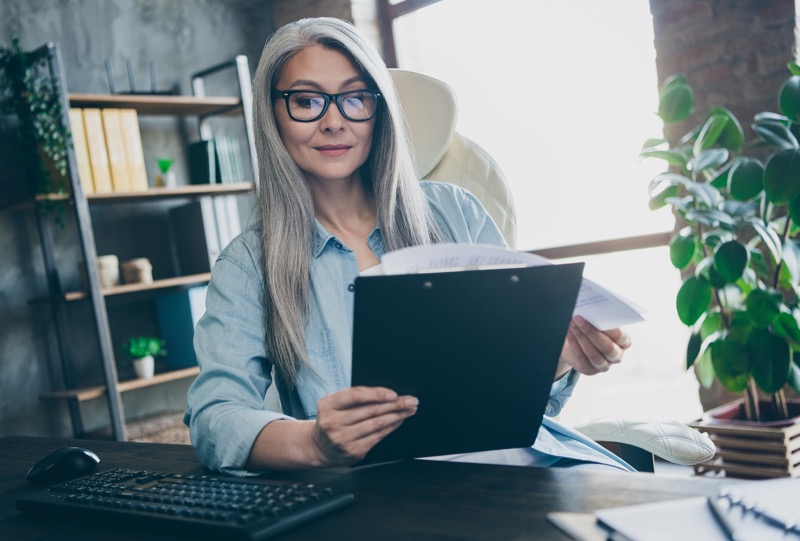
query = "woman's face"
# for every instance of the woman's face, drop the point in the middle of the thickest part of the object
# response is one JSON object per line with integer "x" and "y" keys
{"x": 332, "y": 147}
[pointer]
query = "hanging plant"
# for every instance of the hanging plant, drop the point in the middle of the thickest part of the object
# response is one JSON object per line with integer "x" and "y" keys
{"x": 28, "y": 91}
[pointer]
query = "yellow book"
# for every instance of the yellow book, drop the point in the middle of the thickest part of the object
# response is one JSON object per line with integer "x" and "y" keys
{"x": 132, "y": 138}
{"x": 81, "y": 150}
{"x": 98, "y": 155}
{"x": 115, "y": 146}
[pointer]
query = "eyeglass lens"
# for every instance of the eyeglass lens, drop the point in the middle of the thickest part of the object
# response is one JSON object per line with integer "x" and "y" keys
{"x": 357, "y": 105}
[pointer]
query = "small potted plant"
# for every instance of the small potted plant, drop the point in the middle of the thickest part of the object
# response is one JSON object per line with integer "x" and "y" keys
{"x": 142, "y": 351}
{"x": 166, "y": 177}
{"x": 738, "y": 248}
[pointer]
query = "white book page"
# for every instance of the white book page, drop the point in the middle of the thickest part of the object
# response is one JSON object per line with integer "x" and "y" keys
{"x": 599, "y": 306}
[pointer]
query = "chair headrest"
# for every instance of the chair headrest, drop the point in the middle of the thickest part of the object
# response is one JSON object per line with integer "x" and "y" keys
{"x": 431, "y": 109}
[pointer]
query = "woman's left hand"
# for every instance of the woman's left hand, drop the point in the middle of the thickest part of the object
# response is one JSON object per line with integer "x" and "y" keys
{"x": 590, "y": 351}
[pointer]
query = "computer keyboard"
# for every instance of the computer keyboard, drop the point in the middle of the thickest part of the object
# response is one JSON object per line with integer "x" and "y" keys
{"x": 231, "y": 508}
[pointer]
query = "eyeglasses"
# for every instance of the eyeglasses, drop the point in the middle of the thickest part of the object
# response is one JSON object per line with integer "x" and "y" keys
{"x": 308, "y": 105}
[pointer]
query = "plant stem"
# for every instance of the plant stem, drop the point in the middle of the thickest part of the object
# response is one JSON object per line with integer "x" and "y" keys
{"x": 785, "y": 235}
{"x": 751, "y": 405}
{"x": 779, "y": 402}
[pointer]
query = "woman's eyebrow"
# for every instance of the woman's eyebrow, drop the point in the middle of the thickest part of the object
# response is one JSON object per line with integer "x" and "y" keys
{"x": 313, "y": 84}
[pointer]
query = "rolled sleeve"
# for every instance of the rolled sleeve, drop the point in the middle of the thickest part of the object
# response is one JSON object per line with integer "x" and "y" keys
{"x": 225, "y": 404}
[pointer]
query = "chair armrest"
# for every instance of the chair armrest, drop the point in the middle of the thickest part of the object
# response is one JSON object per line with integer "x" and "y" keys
{"x": 673, "y": 441}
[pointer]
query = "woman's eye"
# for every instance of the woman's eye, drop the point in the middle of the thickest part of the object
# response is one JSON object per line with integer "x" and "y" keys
{"x": 307, "y": 101}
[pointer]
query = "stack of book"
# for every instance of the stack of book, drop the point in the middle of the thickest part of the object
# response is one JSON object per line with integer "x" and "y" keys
{"x": 216, "y": 161}
{"x": 108, "y": 150}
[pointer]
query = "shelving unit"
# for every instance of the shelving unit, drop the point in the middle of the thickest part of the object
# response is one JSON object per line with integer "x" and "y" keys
{"x": 198, "y": 106}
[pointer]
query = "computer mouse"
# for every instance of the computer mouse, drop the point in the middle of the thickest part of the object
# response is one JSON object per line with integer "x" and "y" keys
{"x": 61, "y": 465}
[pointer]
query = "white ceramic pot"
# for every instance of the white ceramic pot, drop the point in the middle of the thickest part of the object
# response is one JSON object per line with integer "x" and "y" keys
{"x": 144, "y": 367}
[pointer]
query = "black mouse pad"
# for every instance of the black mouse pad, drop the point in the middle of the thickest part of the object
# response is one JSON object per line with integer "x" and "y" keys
{"x": 478, "y": 348}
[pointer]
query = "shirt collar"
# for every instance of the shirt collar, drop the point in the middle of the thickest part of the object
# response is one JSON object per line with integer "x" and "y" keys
{"x": 323, "y": 237}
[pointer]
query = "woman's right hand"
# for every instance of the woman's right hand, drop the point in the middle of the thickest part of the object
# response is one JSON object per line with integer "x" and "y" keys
{"x": 351, "y": 421}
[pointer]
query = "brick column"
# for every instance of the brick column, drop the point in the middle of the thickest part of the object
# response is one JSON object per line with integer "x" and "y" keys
{"x": 733, "y": 53}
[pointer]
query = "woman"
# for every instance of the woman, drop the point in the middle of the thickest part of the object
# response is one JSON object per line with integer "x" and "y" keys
{"x": 338, "y": 190}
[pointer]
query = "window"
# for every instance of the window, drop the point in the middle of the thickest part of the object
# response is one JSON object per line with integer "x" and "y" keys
{"x": 563, "y": 95}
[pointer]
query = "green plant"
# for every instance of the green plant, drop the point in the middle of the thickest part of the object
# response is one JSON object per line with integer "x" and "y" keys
{"x": 738, "y": 242}
{"x": 142, "y": 346}
{"x": 164, "y": 164}
{"x": 28, "y": 90}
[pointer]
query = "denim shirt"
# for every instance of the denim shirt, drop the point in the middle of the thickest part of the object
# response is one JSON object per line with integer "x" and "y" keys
{"x": 225, "y": 409}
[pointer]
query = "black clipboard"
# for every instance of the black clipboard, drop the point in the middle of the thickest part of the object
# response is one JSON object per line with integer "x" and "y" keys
{"x": 479, "y": 348}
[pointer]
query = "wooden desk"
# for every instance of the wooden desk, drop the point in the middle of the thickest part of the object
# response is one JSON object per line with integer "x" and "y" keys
{"x": 406, "y": 500}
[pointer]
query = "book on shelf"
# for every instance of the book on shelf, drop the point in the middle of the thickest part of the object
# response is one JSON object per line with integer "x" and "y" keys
{"x": 134, "y": 154}
{"x": 204, "y": 166}
{"x": 202, "y": 228}
{"x": 117, "y": 160}
{"x": 81, "y": 148}
{"x": 177, "y": 314}
{"x": 98, "y": 155}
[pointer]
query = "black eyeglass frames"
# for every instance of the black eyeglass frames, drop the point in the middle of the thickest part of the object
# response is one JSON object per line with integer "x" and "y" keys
{"x": 309, "y": 105}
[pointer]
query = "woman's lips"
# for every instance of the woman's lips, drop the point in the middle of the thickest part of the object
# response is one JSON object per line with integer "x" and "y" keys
{"x": 333, "y": 150}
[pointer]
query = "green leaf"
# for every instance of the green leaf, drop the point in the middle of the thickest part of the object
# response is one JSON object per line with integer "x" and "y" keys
{"x": 769, "y": 237}
{"x": 660, "y": 200}
{"x": 705, "y": 194}
{"x": 768, "y": 116}
{"x": 763, "y": 307}
{"x": 720, "y": 181}
{"x": 782, "y": 176}
{"x": 791, "y": 259}
{"x": 794, "y": 69}
{"x": 740, "y": 209}
{"x": 676, "y": 101}
{"x": 776, "y": 134}
{"x": 704, "y": 369}
{"x": 709, "y": 133}
{"x": 705, "y": 268}
{"x": 693, "y": 299}
{"x": 746, "y": 179}
{"x": 711, "y": 323}
{"x": 786, "y": 325}
{"x": 794, "y": 377}
{"x": 672, "y": 157}
{"x": 713, "y": 157}
{"x": 732, "y": 136}
{"x": 731, "y": 363}
{"x": 789, "y": 97}
{"x": 794, "y": 210}
{"x": 693, "y": 349}
{"x": 710, "y": 217}
{"x": 730, "y": 259}
{"x": 681, "y": 248}
{"x": 771, "y": 357}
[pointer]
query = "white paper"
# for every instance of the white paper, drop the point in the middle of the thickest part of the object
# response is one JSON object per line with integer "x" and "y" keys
{"x": 599, "y": 306}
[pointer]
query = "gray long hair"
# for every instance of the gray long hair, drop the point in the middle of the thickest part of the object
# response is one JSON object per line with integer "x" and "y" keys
{"x": 285, "y": 204}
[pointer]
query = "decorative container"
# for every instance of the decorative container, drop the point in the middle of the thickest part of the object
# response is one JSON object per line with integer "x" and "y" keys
{"x": 137, "y": 271}
{"x": 751, "y": 449}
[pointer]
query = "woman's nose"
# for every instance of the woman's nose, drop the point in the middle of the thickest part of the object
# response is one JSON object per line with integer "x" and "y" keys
{"x": 332, "y": 120}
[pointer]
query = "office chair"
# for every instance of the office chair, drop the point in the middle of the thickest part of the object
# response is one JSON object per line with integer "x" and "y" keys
{"x": 430, "y": 108}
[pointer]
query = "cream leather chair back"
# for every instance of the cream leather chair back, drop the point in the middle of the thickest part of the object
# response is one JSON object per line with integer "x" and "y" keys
{"x": 431, "y": 110}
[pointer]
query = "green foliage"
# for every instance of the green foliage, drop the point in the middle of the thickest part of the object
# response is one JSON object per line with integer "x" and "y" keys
{"x": 28, "y": 91}
{"x": 142, "y": 346}
{"x": 739, "y": 245}
{"x": 164, "y": 164}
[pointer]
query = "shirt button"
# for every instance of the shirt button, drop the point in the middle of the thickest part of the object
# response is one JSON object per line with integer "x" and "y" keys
{"x": 339, "y": 245}
{"x": 351, "y": 287}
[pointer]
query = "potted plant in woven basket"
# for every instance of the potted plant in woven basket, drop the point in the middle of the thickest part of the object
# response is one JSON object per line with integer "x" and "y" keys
{"x": 142, "y": 351}
{"x": 737, "y": 244}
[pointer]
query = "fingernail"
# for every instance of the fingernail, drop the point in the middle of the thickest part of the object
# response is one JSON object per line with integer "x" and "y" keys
{"x": 580, "y": 322}
{"x": 410, "y": 402}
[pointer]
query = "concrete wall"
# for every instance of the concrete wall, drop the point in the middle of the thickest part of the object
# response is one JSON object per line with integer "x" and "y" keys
{"x": 182, "y": 37}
